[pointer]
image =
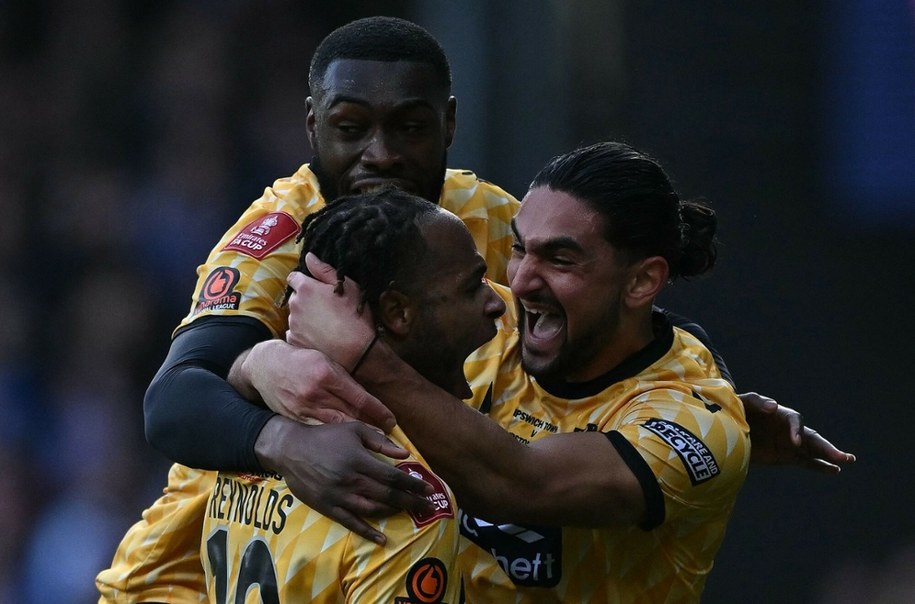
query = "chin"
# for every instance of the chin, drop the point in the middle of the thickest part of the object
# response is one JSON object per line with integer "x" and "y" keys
{"x": 536, "y": 367}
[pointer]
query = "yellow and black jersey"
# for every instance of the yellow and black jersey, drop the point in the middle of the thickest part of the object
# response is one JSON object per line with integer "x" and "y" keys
{"x": 680, "y": 428}
{"x": 158, "y": 560}
{"x": 263, "y": 545}
{"x": 245, "y": 275}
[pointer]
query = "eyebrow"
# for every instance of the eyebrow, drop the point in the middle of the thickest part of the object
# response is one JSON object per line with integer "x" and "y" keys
{"x": 562, "y": 242}
{"x": 401, "y": 106}
{"x": 477, "y": 274}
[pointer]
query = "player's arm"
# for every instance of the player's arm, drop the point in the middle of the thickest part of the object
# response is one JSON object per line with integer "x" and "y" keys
{"x": 577, "y": 479}
{"x": 489, "y": 470}
{"x": 195, "y": 417}
{"x": 192, "y": 415}
{"x": 289, "y": 381}
{"x": 778, "y": 432}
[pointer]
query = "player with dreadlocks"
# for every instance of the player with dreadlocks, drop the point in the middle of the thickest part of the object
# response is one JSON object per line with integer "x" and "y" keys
{"x": 381, "y": 114}
{"x": 420, "y": 274}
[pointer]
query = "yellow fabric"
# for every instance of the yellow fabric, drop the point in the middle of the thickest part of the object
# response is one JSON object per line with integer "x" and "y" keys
{"x": 678, "y": 391}
{"x": 267, "y": 533}
{"x": 486, "y": 210}
{"x": 157, "y": 561}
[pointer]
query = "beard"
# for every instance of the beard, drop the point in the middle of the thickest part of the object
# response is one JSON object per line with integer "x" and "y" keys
{"x": 331, "y": 191}
{"x": 575, "y": 353}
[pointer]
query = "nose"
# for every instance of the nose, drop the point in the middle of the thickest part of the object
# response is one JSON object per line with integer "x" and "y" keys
{"x": 495, "y": 306}
{"x": 522, "y": 275}
{"x": 380, "y": 153}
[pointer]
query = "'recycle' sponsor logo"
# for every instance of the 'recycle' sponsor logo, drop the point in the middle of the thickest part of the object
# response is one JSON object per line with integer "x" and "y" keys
{"x": 699, "y": 461}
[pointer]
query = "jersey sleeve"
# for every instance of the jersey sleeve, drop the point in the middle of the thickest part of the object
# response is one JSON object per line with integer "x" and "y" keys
{"x": 245, "y": 273}
{"x": 696, "y": 449}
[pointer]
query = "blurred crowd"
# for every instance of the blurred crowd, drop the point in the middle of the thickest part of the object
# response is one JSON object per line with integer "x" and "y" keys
{"x": 132, "y": 135}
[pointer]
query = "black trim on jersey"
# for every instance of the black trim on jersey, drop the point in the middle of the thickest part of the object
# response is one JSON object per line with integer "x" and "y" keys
{"x": 654, "y": 499}
{"x": 486, "y": 405}
{"x": 701, "y": 335}
{"x": 193, "y": 416}
{"x": 632, "y": 366}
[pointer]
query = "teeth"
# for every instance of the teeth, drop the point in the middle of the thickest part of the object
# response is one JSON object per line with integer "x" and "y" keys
{"x": 532, "y": 311}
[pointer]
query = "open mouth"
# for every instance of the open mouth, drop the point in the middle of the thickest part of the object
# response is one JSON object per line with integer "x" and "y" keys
{"x": 542, "y": 325}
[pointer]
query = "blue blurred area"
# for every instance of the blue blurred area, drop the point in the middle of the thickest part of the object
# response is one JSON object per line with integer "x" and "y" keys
{"x": 869, "y": 110}
{"x": 132, "y": 134}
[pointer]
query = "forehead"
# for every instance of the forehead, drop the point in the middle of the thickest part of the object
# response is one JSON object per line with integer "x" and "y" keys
{"x": 451, "y": 249}
{"x": 380, "y": 83}
{"x": 547, "y": 216}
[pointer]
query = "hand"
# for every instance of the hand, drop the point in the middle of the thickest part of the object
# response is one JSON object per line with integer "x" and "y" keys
{"x": 334, "y": 469}
{"x": 324, "y": 318}
{"x": 305, "y": 385}
{"x": 778, "y": 436}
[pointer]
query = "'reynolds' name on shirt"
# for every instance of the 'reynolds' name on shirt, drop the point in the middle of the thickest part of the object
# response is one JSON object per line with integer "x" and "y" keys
{"x": 249, "y": 503}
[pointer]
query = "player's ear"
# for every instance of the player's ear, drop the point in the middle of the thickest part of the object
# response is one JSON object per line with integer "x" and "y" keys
{"x": 310, "y": 121}
{"x": 646, "y": 280}
{"x": 450, "y": 121}
{"x": 397, "y": 312}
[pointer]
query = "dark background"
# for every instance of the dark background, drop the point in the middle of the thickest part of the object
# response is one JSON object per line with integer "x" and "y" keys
{"x": 132, "y": 134}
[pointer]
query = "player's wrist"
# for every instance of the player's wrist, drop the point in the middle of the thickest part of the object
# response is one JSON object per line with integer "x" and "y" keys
{"x": 268, "y": 447}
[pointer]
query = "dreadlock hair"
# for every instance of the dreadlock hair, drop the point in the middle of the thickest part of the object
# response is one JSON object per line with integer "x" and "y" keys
{"x": 380, "y": 39}
{"x": 643, "y": 215}
{"x": 372, "y": 238}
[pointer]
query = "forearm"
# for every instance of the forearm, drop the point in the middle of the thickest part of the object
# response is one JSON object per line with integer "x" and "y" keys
{"x": 492, "y": 474}
{"x": 470, "y": 452}
{"x": 193, "y": 416}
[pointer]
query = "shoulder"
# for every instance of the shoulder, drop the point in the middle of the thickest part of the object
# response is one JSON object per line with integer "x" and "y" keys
{"x": 464, "y": 191}
{"x": 298, "y": 195}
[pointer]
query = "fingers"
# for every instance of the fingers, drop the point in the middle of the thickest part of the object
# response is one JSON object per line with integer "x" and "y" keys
{"x": 322, "y": 271}
{"x": 818, "y": 447}
{"x": 820, "y": 466}
{"x": 757, "y": 403}
{"x": 360, "y": 404}
{"x": 384, "y": 490}
{"x": 326, "y": 416}
{"x": 293, "y": 340}
{"x": 356, "y": 525}
{"x": 389, "y": 449}
{"x": 795, "y": 426}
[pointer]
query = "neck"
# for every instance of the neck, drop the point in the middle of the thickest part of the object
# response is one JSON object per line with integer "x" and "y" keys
{"x": 633, "y": 334}
{"x": 453, "y": 381}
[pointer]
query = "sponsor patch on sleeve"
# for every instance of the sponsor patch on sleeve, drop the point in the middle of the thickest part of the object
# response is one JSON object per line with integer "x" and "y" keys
{"x": 439, "y": 499}
{"x": 426, "y": 583}
{"x": 264, "y": 235}
{"x": 217, "y": 291}
{"x": 699, "y": 461}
